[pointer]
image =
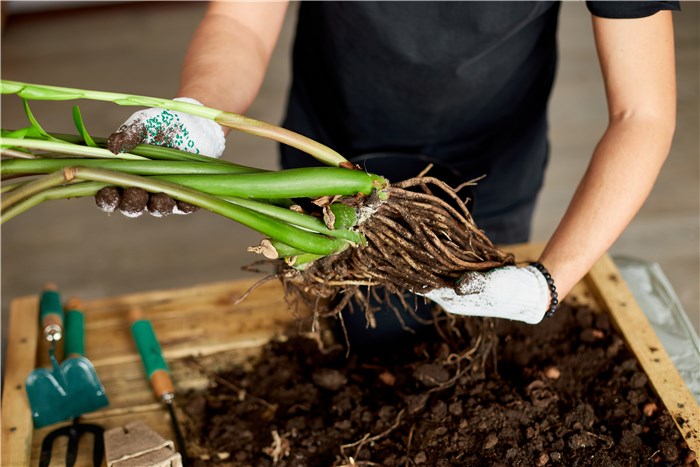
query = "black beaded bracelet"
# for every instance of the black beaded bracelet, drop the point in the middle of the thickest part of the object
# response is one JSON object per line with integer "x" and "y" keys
{"x": 552, "y": 288}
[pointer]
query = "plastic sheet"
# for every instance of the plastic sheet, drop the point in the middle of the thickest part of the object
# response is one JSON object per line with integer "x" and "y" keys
{"x": 664, "y": 311}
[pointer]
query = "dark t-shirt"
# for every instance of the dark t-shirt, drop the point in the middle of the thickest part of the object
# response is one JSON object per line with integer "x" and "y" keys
{"x": 464, "y": 82}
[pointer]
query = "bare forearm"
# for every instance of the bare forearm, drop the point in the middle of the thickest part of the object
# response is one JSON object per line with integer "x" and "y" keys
{"x": 217, "y": 71}
{"x": 619, "y": 178}
{"x": 637, "y": 63}
{"x": 227, "y": 59}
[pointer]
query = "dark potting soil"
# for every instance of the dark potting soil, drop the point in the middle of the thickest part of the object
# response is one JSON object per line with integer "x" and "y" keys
{"x": 564, "y": 392}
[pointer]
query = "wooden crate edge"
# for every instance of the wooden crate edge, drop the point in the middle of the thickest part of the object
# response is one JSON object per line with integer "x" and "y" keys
{"x": 22, "y": 346}
{"x": 614, "y": 294}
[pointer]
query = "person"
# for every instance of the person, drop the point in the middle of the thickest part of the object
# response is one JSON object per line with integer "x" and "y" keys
{"x": 466, "y": 84}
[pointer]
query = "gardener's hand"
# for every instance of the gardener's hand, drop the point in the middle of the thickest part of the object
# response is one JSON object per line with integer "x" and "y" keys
{"x": 511, "y": 292}
{"x": 163, "y": 128}
{"x": 171, "y": 129}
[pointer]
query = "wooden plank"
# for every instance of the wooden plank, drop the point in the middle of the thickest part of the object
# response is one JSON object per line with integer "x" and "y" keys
{"x": 17, "y": 424}
{"x": 612, "y": 291}
{"x": 197, "y": 320}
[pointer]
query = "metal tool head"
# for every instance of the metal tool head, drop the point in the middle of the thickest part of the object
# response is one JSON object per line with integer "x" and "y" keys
{"x": 83, "y": 385}
{"x": 48, "y": 392}
{"x": 65, "y": 391}
{"x": 70, "y": 389}
{"x": 73, "y": 432}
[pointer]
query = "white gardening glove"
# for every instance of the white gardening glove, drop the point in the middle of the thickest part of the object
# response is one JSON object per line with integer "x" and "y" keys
{"x": 171, "y": 129}
{"x": 511, "y": 292}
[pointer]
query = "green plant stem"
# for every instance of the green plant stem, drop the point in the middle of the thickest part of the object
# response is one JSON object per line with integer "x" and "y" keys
{"x": 148, "y": 151}
{"x": 276, "y": 212}
{"x": 66, "y": 148}
{"x": 7, "y": 152}
{"x": 9, "y": 186}
{"x": 31, "y": 188}
{"x": 275, "y": 229}
{"x": 137, "y": 167}
{"x": 311, "y": 182}
{"x": 152, "y": 151}
{"x": 85, "y": 189}
{"x": 296, "y": 218}
{"x": 320, "y": 152}
{"x": 301, "y": 261}
{"x": 238, "y": 122}
{"x": 221, "y": 180}
{"x": 285, "y": 251}
{"x": 76, "y": 190}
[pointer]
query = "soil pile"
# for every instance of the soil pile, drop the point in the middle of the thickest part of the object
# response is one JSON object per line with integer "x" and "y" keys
{"x": 565, "y": 392}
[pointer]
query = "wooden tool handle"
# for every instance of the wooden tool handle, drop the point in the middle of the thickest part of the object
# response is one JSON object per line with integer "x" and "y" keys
{"x": 157, "y": 370}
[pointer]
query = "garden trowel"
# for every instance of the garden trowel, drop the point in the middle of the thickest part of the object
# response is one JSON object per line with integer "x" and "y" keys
{"x": 72, "y": 388}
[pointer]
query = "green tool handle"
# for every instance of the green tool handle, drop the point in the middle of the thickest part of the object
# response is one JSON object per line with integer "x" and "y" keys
{"x": 157, "y": 370}
{"x": 51, "y": 313}
{"x": 74, "y": 345}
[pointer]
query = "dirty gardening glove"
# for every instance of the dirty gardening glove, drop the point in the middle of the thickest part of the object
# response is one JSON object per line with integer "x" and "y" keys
{"x": 166, "y": 128}
{"x": 133, "y": 201}
{"x": 511, "y": 292}
{"x": 171, "y": 129}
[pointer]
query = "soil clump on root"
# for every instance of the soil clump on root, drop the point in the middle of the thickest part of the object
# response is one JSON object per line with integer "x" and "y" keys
{"x": 565, "y": 392}
{"x": 127, "y": 137}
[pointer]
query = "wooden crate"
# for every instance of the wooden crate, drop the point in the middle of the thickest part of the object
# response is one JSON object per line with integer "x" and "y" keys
{"x": 204, "y": 321}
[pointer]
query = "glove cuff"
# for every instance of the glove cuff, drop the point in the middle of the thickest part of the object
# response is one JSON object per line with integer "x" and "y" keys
{"x": 553, "y": 295}
{"x": 532, "y": 311}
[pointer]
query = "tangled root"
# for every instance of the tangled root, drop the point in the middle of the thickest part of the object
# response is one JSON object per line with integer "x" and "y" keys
{"x": 416, "y": 241}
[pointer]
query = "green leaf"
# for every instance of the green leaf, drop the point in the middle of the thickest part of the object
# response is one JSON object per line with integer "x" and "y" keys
{"x": 35, "y": 125}
{"x": 33, "y": 121}
{"x": 10, "y": 87}
{"x": 21, "y": 133}
{"x": 39, "y": 92}
{"x": 143, "y": 101}
{"x": 80, "y": 125}
{"x": 48, "y": 94}
{"x": 36, "y": 130}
